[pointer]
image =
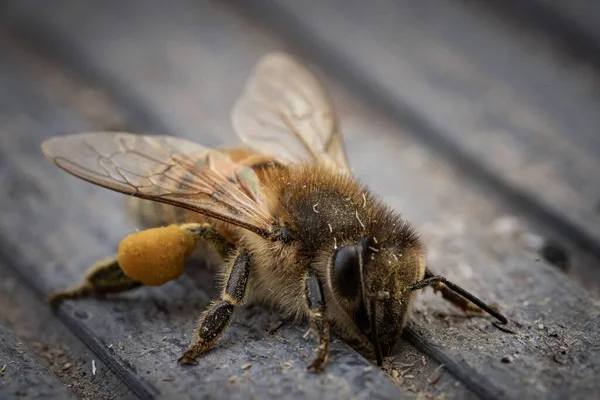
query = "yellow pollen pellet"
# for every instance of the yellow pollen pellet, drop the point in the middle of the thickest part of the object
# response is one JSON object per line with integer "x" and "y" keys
{"x": 156, "y": 256}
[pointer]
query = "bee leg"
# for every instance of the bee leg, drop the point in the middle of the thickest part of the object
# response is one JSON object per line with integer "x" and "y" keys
{"x": 104, "y": 277}
{"x": 318, "y": 320}
{"x": 457, "y": 295}
{"x": 449, "y": 295}
{"x": 216, "y": 318}
{"x": 209, "y": 234}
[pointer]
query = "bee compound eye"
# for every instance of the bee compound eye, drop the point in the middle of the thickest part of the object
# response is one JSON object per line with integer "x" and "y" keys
{"x": 347, "y": 271}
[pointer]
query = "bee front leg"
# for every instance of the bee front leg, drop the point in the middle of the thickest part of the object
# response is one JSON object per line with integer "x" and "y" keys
{"x": 318, "y": 320}
{"x": 450, "y": 296}
{"x": 217, "y": 316}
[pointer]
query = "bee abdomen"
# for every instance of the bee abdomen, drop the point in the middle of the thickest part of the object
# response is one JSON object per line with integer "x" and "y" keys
{"x": 150, "y": 214}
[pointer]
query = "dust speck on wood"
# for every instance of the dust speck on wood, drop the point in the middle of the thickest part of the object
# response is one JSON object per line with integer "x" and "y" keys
{"x": 507, "y": 359}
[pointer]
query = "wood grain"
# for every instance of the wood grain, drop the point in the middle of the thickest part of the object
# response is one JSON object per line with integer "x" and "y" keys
{"x": 178, "y": 70}
{"x": 23, "y": 376}
{"x": 26, "y": 314}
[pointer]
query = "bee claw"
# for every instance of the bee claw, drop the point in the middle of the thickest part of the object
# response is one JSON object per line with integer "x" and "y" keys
{"x": 186, "y": 360}
{"x": 57, "y": 298}
{"x": 316, "y": 366}
{"x": 319, "y": 363}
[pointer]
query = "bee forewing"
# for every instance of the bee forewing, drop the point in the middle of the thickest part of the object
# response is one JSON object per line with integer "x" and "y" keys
{"x": 168, "y": 170}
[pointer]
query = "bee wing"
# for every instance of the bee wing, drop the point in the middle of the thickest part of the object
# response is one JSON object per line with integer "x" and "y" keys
{"x": 168, "y": 170}
{"x": 286, "y": 113}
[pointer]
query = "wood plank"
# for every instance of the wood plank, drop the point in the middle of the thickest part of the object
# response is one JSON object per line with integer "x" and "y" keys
{"x": 582, "y": 15}
{"x": 526, "y": 130}
{"x": 574, "y": 23}
{"x": 38, "y": 328}
{"x": 23, "y": 376}
{"x": 460, "y": 222}
{"x": 139, "y": 335}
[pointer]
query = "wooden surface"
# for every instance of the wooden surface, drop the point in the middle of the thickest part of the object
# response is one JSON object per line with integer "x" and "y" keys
{"x": 473, "y": 126}
{"x": 24, "y": 376}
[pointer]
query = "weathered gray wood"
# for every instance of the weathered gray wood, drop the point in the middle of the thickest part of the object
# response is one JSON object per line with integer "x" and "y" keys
{"x": 462, "y": 224}
{"x": 23, "y": 376}
{"x": 139, "y": 335}
{"x": 481, "y": 91}
{"x": 575, "y": 23}
{"x": 581, "y": 14}
{"x": 26, "y": 313}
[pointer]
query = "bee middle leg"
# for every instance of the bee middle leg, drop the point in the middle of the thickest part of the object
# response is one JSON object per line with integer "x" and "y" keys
{"x": 319, "y": 323}
{"x": 216, "y": 318}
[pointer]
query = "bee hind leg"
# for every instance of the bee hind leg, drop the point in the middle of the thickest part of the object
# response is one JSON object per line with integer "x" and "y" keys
{"x": 143, "y": 250}
{"x": 318, "y": 321}
{"x": 104, "y": 277}
{"x": 216, "y": 318}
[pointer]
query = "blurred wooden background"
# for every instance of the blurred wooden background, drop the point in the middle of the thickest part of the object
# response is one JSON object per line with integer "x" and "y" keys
{"x": 478, "y": 120}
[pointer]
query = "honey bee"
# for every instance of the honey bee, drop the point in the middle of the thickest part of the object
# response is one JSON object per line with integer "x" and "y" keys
{"x": 296, "y": 230}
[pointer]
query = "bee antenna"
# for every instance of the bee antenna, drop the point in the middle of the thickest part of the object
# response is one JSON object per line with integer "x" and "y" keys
{"x": 457, "y": 289}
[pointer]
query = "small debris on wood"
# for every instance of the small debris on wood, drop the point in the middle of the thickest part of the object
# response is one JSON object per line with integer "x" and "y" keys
{"x": 246, "y": 366}
{"x": 481, "y": 329}
{"x": 232, "y": 379}
{"x": 540, "y": 326}
{"x": 287, "y": 365}
{"x": 507, "y": 359}
{"x": 560, "y": 352}
{"x": 67, "y": 366}
{"x": 168, "y": 379}
{"x": 2, "y": 370}
{"x": 152, "y": 350}
{"x": 561, "y": 357}
{"x": 94, "y": 367}
{"x": 503, "y": 328}
{"x": 441, "y": 315}
{"x": 436, "y": 375}
{"x": 274, "y": 327}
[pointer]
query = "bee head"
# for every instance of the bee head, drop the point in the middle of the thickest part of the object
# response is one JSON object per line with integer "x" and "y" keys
{"x": 370, "y": 282}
